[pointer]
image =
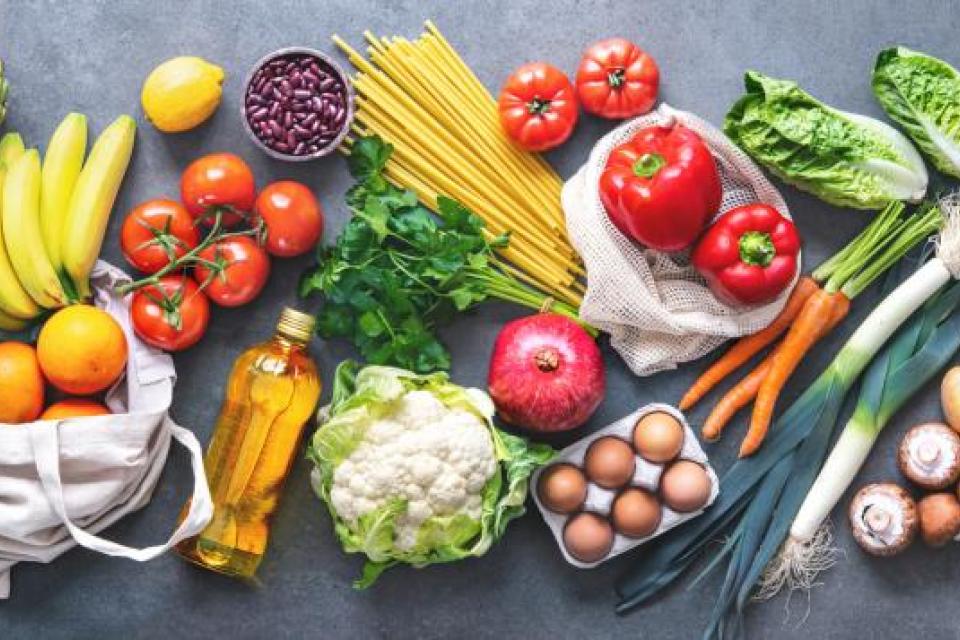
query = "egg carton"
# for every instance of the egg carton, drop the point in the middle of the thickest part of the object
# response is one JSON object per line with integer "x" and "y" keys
{"x": 646, "y": 476}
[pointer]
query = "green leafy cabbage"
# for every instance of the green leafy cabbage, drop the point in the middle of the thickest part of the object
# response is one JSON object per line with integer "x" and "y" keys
{"x": 361, "y": 397}
{"x": 922, "y": 94}
{"x": 843, "y": 158}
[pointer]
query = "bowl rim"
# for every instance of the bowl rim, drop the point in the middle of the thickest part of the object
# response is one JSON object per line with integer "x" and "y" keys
{"x": 337, "y": 69}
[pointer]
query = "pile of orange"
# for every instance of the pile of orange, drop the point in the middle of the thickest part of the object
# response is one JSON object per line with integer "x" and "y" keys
{"x": 81, "y": 351}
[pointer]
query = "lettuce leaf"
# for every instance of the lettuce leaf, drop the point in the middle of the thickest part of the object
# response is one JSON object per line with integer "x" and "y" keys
{"x": 363, "y": 396}
{"x": 922, "y": 94}
{"x": 843, "y": 158}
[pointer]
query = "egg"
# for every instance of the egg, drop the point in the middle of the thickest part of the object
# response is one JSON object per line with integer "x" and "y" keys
{"x": 562, "y": 488}
{"x": 636, "y": 513}
{"x": 588, "y": 537}
{"x": 609, "y": 462}
{"x": 685, "y": 486}
{"x": 658, "y": 437}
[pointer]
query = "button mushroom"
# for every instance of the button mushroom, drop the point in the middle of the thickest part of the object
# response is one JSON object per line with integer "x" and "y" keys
{"x": 883, "y": 518}
{"x": 929, "y": 456}
{"x": 939, "y": 518}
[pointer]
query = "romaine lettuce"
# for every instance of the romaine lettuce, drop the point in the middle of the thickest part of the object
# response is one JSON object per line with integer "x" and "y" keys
{"x": 922, "y": 94}
{"x": 843, "y": 158}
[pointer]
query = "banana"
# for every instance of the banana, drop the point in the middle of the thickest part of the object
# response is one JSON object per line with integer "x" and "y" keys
{"x": 61, "y": 168}
{"x": 21, "y": 232}
{"x": 9, "y": 323}
{"x": 11, "y": 148}
{"x": 14, "y": 300}
{"x": 92, "y": 201}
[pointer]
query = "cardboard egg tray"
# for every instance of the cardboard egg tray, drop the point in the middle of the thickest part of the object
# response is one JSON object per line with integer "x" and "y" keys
{"x": 646, "y": 476}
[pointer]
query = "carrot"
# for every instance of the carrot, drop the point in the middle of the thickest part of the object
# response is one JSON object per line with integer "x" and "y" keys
{"x": 810, "y": 324}
{"x": 748, "y": 346}
{"x": 746, "y": 390}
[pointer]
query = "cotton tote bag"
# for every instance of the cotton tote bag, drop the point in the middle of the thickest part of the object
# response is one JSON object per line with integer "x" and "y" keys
{"x": 64, "y": 481}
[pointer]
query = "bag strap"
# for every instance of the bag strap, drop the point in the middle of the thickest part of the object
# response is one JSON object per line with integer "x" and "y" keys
{"x": 46, "y": 443}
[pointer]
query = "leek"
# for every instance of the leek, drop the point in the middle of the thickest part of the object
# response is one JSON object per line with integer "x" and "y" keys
{"x": 760, "y": 496}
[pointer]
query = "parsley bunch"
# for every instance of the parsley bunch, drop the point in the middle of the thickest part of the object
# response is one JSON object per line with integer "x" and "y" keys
{"x": 397, "y": 271}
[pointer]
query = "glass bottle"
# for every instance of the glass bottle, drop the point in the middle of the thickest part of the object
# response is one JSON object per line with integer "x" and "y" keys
{"x": 271, "y": 394}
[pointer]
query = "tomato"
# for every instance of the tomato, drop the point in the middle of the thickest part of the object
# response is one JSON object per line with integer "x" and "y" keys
{"x": 243, "y": 267}
{"x": 538, "y": 107}
{"x": 617, "y": 79}
{"x": 218, "y": 180}
{"x": 171, "y": 315}
{"x": 293, "y": 217}
{"x": 156, "y": 232}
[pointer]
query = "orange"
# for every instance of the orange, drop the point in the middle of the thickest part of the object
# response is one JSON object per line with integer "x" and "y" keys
{"x": 21, "y": 383}
{"x": 82, "y": 350}
{"x": 74, "y": 408}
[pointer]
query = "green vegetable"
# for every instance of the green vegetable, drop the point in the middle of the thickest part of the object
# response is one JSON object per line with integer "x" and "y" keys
{"x": 397, "y": 271}
{"x": 843, "y": 158}
{"x": 373, "y": 398}
{"x": 922, "y": 94}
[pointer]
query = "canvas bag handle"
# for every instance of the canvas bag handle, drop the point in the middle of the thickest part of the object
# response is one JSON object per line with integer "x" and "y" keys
{"x": 45, "y": 437}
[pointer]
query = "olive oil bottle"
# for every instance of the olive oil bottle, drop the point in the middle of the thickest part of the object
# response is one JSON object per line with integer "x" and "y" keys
{"x": 271, "y": 394}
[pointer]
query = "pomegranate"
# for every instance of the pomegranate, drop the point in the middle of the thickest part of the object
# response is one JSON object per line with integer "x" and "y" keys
{"x": 546, "y": 373}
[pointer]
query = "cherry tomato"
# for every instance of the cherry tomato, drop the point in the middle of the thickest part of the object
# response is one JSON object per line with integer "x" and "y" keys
{"x": 242, "y": 271}
{"x": 172, "y": 315}
{"x": 155, "y": 232}
{"x": 538, "y": 107}
{"x": 219, "y": 179}
{"x": 293, "y": 217}
{"x": 617, "y": 79}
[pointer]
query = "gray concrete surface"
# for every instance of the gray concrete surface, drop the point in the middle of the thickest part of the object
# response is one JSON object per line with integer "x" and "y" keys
{"x": 92, "y": 57}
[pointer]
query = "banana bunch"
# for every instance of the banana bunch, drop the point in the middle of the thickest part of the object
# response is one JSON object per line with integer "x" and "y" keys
{"x": 53, "y": 216}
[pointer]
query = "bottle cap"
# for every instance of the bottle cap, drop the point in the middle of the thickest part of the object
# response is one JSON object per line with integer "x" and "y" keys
{"x": 296, "y": 325}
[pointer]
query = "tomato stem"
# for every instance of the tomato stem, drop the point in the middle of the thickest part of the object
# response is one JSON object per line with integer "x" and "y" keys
{"x": 616, "y": 78}
{"x": 538, "y": 106}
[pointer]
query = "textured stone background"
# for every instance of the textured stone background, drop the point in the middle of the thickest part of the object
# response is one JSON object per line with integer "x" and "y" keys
{"x": 92, "y": 57}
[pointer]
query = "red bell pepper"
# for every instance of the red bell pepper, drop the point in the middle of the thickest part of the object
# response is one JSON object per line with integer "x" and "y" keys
{"x": 661, "y": 187}
{"x": 749, "y": 255}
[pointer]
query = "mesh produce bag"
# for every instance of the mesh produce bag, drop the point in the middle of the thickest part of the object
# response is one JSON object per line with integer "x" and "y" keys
{"x": 657, "y": 309}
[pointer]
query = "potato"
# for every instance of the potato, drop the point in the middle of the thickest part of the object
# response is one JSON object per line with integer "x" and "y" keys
{"x": 950, "y": 397}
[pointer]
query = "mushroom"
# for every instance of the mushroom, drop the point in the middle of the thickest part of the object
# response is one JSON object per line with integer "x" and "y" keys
{"x": 883, "y": 518}
{"x": 939, "y": 518}
{"x": 929, "y": 456}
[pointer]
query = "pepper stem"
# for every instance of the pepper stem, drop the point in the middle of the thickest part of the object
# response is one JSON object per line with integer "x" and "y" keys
{"x": 756, "y": 248}
{"x": 648, "y": 165}
{"x": 538, "y": 106}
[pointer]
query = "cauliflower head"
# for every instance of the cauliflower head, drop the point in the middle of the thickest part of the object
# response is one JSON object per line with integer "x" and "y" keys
{"x": 412, "y": 469}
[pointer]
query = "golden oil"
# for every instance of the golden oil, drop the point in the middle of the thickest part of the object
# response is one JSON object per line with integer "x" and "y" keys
{"x": 270, "y": 396}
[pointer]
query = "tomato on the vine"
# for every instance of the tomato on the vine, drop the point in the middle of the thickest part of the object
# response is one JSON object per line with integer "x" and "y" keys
{"x": 239, "y": 270}
{"x": 617, "y": 79}
{"x": 293, "y": 218}
{"x": 172, "y": 314}
{"x": 155, "y": 233}
{"x": 538, "y": 107}
{"x": 218, "y": 180}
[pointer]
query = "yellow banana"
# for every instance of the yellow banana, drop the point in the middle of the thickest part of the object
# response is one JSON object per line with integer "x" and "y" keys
{"x": 14, "y": 300}
{"x": 9, "y": 323}
{"x": 21, "y": 232}
{"x": 11, "y": 148}
{"x": 61, "y": 167}
{"x": 92, "y": 200}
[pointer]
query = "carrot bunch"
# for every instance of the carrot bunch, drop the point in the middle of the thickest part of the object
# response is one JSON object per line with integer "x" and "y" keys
{"x": 817, "y": 305}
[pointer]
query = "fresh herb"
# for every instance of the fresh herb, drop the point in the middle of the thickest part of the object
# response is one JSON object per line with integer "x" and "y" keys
{"x": 397, "y": 271}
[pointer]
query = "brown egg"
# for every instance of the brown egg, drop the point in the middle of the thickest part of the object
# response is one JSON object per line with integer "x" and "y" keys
{"x": 658, "y": 437}
{"x": 685, "y": 486}
{"x": 562, "y": 488}
{"x": 636, "y": 513}
{"x": 588, "y": 537}
{"x": 609, "y": 462}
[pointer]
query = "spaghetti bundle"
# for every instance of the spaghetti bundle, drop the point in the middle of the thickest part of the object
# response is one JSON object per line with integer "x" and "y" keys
{"x": 423, "y": 99}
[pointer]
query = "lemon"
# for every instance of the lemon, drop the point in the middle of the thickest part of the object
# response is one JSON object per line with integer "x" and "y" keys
{"x": 181, "y": 93}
